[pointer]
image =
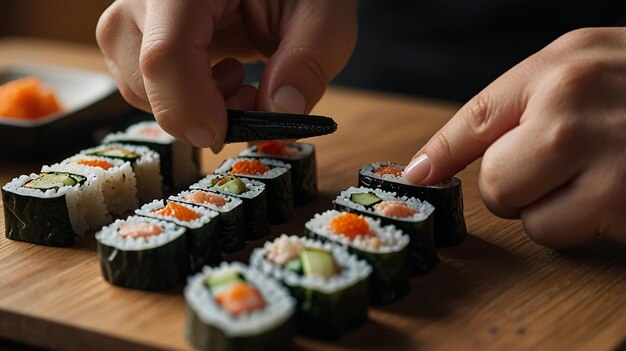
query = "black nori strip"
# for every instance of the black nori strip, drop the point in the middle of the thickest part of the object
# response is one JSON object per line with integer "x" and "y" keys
{"x": 256, "y": 125}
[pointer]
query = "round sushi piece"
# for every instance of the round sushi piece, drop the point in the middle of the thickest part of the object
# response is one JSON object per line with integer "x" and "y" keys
{"x": 143, "y": 253}
{"x": 231, "y": 215}
{"x": 51, "y": 207}
{"x": 235, "y": 307}
{"x": 301, "y": 157}
{"x": 384, "y": 248}
{"x": 203, "y": 230}
{"x": 180, "y": 164}
{"x": 329, "y": 283}
{"x": 275, "y": 174}
{"x": 119, "y": 186}
{"x": 412, "y": 216}
{"x": 145, "y": 163}
{"x": 446, "y": 197}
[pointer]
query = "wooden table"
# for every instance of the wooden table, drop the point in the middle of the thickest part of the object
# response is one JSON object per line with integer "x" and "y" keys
{"x": 496, "y": 290}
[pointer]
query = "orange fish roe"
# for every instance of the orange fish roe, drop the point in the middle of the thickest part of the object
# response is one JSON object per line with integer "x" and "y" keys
{"x": 178, "y": 211}
{"x": 273, "y": 147}
{"x": 391, "y": 169}
{"x": 139, "y": 230}
{"x": 95, "y": 163}
{"x": 250, "y": 167}
{"x": 202, "y": 197}
{"x": 239, "y": 298}
{"x": 27, "y": 98}
{"x": 350, "y": 225}
{"x": 394, "y": 208}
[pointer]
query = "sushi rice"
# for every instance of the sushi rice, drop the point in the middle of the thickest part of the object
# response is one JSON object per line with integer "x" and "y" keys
{"x": 423, "y": 208}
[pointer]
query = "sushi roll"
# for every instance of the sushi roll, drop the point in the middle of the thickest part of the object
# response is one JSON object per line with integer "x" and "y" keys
{"x": 143, "y": 253}
{"x": 236, "y": 308}
{"x": 145, "y": 163}
{"x": 301, "y": 157}
{"x": 330, "y": 284}
{"x": 447, "y": 197}
{"x": 231, "y": 215}
{"x": 251, "y": 192}
{"x": 410, "y": 215}
{"x": 50, "y": 208}
{"x": 203, "y": 231}
{"x": 276, "y": 176}
{"x": 384, "y": 248}
{"x": 179, "y": 161}
{"x": 119, "y": 186}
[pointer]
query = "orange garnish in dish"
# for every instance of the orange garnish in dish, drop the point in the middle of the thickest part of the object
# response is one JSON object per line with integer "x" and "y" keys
{"x": 27, "y": 98}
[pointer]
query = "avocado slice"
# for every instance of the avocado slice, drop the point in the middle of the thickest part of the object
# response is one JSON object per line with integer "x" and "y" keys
{"x": 54, "y": 180}
{"x": 294, "y": 265}
{"x": 318, "y": 262}
{"x": 233, "y": 186}
{"x": 222, "y": 279}
{"x": 365, "y": 199}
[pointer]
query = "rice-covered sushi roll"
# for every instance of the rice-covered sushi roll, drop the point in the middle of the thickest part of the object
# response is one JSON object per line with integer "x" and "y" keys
{"x": 231, "y": 215}
{"x": 203, "y": 230}
{"x": 276, "y": 176}
{"x": 412, "y": 216}
{"x": 143, "y": 253}
{"x": 145, "y": 163}
{"x": 447, "y": 197}
{"x": 384, "y": 248}
{"x": 301, "y": 157}
{"x": 251, "y": 192}
{"x": 236, "y": 308}
{"x": 180, "y": 164}
{"x": 119, "y": 186}
{"x": 51, "y": 207}
{"x": 329, "y": 283}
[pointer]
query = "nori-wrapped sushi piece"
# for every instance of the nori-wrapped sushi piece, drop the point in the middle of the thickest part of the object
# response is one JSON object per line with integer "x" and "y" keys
{"x": 211, "y": 327}
{"x": 231, "y": 215}
{"x": 301, "y": 157}
{"x": 328, "y": 305}
{"x": 413, "y": 217}
{"x": 276, "y": 176}
{"x": 202, "y": 229}
{"x": 447, "y": 198}
{"x": 140, "y": 260}
{"x": 251, "y": 192}
{"x": 384, "y": 248}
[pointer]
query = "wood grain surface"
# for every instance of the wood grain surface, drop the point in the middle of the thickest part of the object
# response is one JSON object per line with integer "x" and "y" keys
{"x": 497, "y": 290}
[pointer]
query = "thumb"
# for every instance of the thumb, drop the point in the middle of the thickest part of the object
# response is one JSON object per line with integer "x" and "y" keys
{"x": 317, "y": 41}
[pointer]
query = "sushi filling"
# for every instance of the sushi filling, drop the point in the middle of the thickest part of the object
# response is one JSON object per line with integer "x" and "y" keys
{"x": 186, "y": 215}
{"x": 234, "y": 294}
{"x": 294, "y": 256}
{"x": 116, "y": 152}
{"x": 385, "y": 204}
{"x": 257, "y": 168}
{"x": 393, "y": 172}
{"x": 54, "y": 180}
{"x": 216, "y": 202}
{"x": 231, "y": 185}
{"x": 277, "y": 148}
{"x": 138, "y": 233}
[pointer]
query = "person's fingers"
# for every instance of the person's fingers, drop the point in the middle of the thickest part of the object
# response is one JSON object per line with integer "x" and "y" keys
{"x": 229, "y": 74}
{"x": 125, "y": 90}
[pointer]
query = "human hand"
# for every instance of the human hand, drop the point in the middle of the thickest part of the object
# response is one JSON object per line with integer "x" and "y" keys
{"x": 161, "y": 54}
{"x": 552, "y": 133}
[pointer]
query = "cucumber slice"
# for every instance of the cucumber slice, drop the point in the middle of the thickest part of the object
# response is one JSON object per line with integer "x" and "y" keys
{"x": 222, "y": 279}
{"x": 294, "y": 265}
{"x": 365, "y": 199}
{"x": 233, "y": 186}
{"x": 54, "y": 180}
{"x": 318, "y": 262}
{"x": 117, "y": 152}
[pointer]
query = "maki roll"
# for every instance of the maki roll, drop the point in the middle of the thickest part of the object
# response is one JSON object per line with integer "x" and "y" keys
{"x": 447, "y": 197}
{"x": 236, "y": 308}
{"x": 51, "y": 207}
{"x": 251, "y": 192}
{"x": 330, "y": 284}
{"x": 119, "y": 186}
{"x": 276, "y": 176}
{"x": 412, "y": 216}
{"x": 231, "y": 215}
{"x": 203, "y": 231}
{"x": 179, "y": 161}
{"x": 145, "y": 163}
{"x": 384, "y": 248}
{"x": 301, "y": 157}
{"x": 143, "y": 253}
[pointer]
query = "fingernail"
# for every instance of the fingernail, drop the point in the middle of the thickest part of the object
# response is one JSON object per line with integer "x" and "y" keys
{"x": 200, "y": 137}
{"x": 418, "y": 169}
{"x": 288, "y": 99}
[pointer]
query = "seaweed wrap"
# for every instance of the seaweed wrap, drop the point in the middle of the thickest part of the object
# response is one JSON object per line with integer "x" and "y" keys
{"x": 329, "y": 283}
{"x": 202, "y": 229}
{"x": 301, "y": 157}
{"x": 384, "y": 248}
{"x": 251, "y": 192}
{"x": 412, "y": 216}
{"x": 276, "y": 176}
{"x": 179, "y": 165}
{"x": 143, "y": 253}
{"x": 447, "y": 197}
{"x": 231, "y": 215}
{"x": 236, "y": 308}
{"x": 145, "y": 163}
{"x": 50, "y": 208}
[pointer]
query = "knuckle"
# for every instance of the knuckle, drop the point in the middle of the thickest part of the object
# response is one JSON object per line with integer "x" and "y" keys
{"x": 579, "y": 39}
{"x": 107, "y": 27}
{"x": 157, "y": 54}
{"x": 441, "y": 144}
{"x": 492, "y": 187}
{"x": 561, "y": 137}
{"x": 576, "y": 78}
{"x": 477, "y": 117}
{"x": 315, "y": 62}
